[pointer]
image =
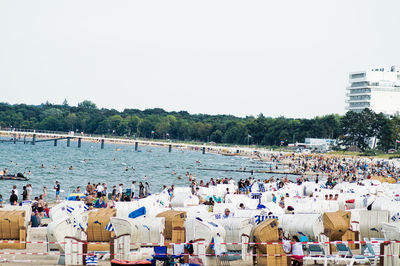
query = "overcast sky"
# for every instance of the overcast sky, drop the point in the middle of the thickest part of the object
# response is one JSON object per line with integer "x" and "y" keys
{"x": 288, "y": 58}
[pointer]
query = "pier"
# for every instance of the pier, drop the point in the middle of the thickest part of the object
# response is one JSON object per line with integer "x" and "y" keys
{"x": 33, "y": 137}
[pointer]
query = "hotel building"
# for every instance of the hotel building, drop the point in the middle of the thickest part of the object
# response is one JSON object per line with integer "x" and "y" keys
{"x": 377, "y": 89}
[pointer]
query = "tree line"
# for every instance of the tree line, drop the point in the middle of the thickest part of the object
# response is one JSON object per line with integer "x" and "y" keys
{"x": 352, "y": 129}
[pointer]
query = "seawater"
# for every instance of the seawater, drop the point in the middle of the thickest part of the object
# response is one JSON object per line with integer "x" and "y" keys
{"x": 108, "y": 165}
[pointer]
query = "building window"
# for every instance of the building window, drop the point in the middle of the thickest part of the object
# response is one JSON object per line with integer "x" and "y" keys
{"x": 359, "y": 84}
{"x": 362, "y": 104}
{"x": 359, "y": 91}
{"x": 357, "y": 75}
{"x": 359, "y": 98}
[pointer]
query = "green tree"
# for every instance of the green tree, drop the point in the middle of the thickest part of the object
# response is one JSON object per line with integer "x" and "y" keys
{"x": 358, "y": 128}
{"x": 87, "y": 105}
{"x": 71, "y": 121}
{"x": 387, "y": 133}
{"x": 216, "y": 136}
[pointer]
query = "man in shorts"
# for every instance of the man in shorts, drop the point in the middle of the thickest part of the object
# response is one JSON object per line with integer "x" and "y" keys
{"x": 57, "y": 187}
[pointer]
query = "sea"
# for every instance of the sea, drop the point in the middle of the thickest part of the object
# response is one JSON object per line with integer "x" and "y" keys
{"x": 115, "y": 164}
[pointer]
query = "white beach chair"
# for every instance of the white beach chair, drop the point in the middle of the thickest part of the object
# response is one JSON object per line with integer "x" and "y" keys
{"x": 316, "y": 253}
{"x": 345, "y": 255}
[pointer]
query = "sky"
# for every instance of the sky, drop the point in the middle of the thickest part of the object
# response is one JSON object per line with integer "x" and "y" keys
{"x": 279, "y": 58}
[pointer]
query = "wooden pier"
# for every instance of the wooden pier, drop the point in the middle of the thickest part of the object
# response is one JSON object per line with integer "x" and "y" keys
{"x": 33, "y": 137}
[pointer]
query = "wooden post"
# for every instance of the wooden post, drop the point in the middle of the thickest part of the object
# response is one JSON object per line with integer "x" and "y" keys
{"x": 112, "y": 248}
{"x": 79, "y": 142}
{"x": 357, "y": 238}
{"x": 33, "y": 139}
{"x": 102, "y": 144}
{"x": 84, "y": 252}
{"x": 382, "y": 253}
{"x": 68, "y": 141}
{"x": 55, "y": 142}
{"x": 136, "y": 145}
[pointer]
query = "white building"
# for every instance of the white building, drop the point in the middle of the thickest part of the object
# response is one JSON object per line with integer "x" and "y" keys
{"x": 314, "y": 145}
{"x": 376, "y": 89}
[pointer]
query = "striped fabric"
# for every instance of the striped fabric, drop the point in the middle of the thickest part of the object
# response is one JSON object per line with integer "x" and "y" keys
{"x": 91, "y": 260}
{"x": 109, "y": 227}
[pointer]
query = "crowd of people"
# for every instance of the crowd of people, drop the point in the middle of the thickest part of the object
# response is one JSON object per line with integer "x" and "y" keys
{"x": 40, "y": 207}
{"x": 342, "y": 167}
{"x": 99, "y": 196}
{"x": 324, "y": 170}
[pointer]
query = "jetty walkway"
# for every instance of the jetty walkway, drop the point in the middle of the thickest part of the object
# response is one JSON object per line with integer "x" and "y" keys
{"x": 33, "y": 137}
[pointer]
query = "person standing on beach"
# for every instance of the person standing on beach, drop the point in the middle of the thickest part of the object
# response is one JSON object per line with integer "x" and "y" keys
{"x": 29, "y": 191}
{"x": 104, "y": 189}
{"x": 133, "y": 187}
{"x": 146, "y": 189}
{"x": 15, "y": 190}
{"x": 99, "y": 190}
{"x": 89, "y": 200}
{"x": 57, "y": 187}
{"x": 24, "y": 193}
{"x": 141, "y": 190}
{"x": 13, "y": 198}
{"x": 44, "y": 191}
